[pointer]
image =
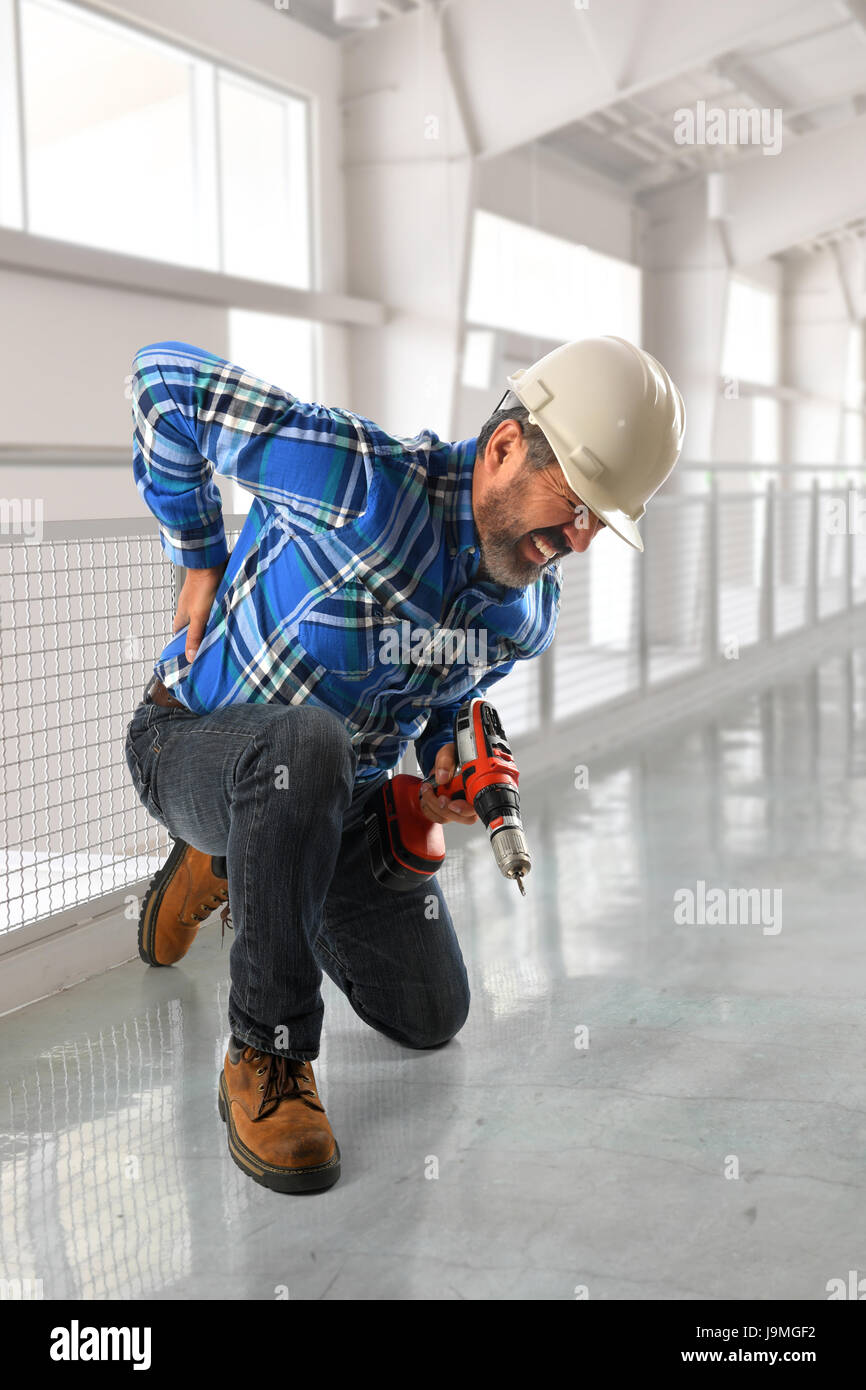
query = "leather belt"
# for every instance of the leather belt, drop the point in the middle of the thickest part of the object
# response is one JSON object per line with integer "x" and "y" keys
{"x": 157, "y": 694}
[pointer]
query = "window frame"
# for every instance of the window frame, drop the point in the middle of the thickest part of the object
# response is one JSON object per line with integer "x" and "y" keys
{"x": 14, "y": 190}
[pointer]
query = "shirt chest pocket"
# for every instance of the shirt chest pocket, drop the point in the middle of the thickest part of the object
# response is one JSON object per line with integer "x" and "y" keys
{"x": 342, "y": 631}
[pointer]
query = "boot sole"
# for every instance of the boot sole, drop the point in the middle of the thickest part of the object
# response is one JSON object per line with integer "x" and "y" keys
{"x": 153, "y": 902}
{"x": 316, "y": 1179}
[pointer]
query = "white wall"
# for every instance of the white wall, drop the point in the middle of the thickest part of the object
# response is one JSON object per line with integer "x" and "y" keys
{"x": 64, "y": 368}
{"x": 63, "y": 383}
{"x": 541, "y": 188}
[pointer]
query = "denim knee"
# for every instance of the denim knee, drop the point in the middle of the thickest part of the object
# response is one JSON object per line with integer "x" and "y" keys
{"x": 313, "y": 743}
{"x": 442, "y": 1027}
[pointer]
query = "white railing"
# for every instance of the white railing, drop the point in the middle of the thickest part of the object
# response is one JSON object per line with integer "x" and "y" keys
{"x": 86, "y": 608}
{"x": 744, "y": 556}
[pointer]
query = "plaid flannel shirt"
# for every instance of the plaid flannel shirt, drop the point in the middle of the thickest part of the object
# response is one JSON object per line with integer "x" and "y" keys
{"x": 351, "y": 583}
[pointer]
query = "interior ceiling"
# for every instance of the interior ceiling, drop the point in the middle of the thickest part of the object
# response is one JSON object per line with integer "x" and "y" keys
{"x": 810, "y": 64}
{"x": 319, "y": 14}
{"x": 815, "y": 75}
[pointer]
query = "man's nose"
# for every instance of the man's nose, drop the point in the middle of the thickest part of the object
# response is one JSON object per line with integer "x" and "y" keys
{"x": 579, "y": 536}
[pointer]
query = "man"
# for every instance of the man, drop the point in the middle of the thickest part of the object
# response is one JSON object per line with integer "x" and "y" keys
{"x": 287, "y": 708}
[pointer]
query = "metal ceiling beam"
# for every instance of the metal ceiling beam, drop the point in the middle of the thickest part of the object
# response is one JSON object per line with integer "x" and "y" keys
{"x": 584, "y": 60}
{"x": 780, "y": 45}
{"x": 767, "y": 212}
{"x": 660, "y": 118}
{"x": 744, "y": 78}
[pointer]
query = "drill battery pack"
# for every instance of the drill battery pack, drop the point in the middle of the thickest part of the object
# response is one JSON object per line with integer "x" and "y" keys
{"x": 405, "y": 847}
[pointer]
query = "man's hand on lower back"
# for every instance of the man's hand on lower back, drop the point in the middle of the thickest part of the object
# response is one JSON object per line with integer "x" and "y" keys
{"x": 194, "y": 603}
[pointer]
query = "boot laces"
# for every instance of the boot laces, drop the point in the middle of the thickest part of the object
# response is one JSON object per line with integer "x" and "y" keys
{"x": 226, "y": 919}
{"x": 205, "y": 908}
{"x": 284, "y": 1079}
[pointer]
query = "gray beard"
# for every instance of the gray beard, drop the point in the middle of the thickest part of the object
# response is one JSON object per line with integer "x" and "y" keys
{"x": 501, "y": 562}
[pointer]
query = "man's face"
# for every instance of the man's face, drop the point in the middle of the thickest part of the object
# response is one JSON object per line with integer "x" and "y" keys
{"x": 511, "y": 504}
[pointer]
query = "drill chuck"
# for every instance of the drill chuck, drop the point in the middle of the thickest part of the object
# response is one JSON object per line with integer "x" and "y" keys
{"x": 499, "y": 808}
{"x": 511, "y": 854}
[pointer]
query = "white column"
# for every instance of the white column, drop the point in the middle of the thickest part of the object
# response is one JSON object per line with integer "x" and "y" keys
{"x": 685, "y": 288}
{"x": 409, "y": 194}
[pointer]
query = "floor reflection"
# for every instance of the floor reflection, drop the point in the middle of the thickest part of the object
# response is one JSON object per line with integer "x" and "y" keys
{"x": 613, "y": 1058}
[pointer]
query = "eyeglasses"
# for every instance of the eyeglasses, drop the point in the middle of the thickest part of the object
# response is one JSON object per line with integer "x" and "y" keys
{"x": 513, "y": 401}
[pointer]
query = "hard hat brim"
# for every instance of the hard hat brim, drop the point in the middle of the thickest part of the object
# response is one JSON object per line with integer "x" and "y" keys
{"x": 619, "y": 522}
{"x": 622, "y": 526}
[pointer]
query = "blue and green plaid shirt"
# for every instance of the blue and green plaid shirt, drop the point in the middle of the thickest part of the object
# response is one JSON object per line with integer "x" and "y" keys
{"x": 351, "y": 584}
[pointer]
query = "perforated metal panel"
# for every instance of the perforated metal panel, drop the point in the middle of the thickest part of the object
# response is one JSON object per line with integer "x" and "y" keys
{"x": 82, "y": 620}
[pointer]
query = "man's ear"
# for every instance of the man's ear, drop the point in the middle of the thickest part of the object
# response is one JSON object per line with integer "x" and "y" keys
{"x": 502, "y": 444}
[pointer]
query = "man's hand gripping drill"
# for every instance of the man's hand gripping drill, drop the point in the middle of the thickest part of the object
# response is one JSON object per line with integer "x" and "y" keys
{"x": 475, "y": 776}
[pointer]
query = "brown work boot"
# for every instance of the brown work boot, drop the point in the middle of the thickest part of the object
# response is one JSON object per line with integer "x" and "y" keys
{"x": 184, "y": 892}
{"x": 278, "y": 1131}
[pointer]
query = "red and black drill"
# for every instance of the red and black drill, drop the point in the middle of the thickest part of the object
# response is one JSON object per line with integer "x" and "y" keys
{"x": 406, "y": 847}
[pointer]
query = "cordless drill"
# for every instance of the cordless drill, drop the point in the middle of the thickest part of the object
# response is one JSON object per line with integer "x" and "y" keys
{"x": 406, "y": 847}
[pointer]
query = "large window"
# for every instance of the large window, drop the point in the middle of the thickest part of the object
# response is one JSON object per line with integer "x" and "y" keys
{"x": 138, "y": 146}
{"x": 751, "y": 353}
{"x": 11, "y": 211}
{"x": 533, "y": 283}
{"x": 108, "y": 123}
{"x": 751, "y": 348}
{"x": 264, "y": 183}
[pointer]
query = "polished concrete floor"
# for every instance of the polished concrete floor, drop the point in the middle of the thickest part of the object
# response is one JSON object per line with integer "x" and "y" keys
{"x": 639, "y": 1106}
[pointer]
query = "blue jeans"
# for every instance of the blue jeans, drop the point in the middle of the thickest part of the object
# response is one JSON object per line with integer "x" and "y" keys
{"x": 271, "y": 789}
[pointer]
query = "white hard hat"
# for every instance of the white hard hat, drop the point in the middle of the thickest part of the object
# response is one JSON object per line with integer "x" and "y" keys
{"x": 614, "y": 420}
